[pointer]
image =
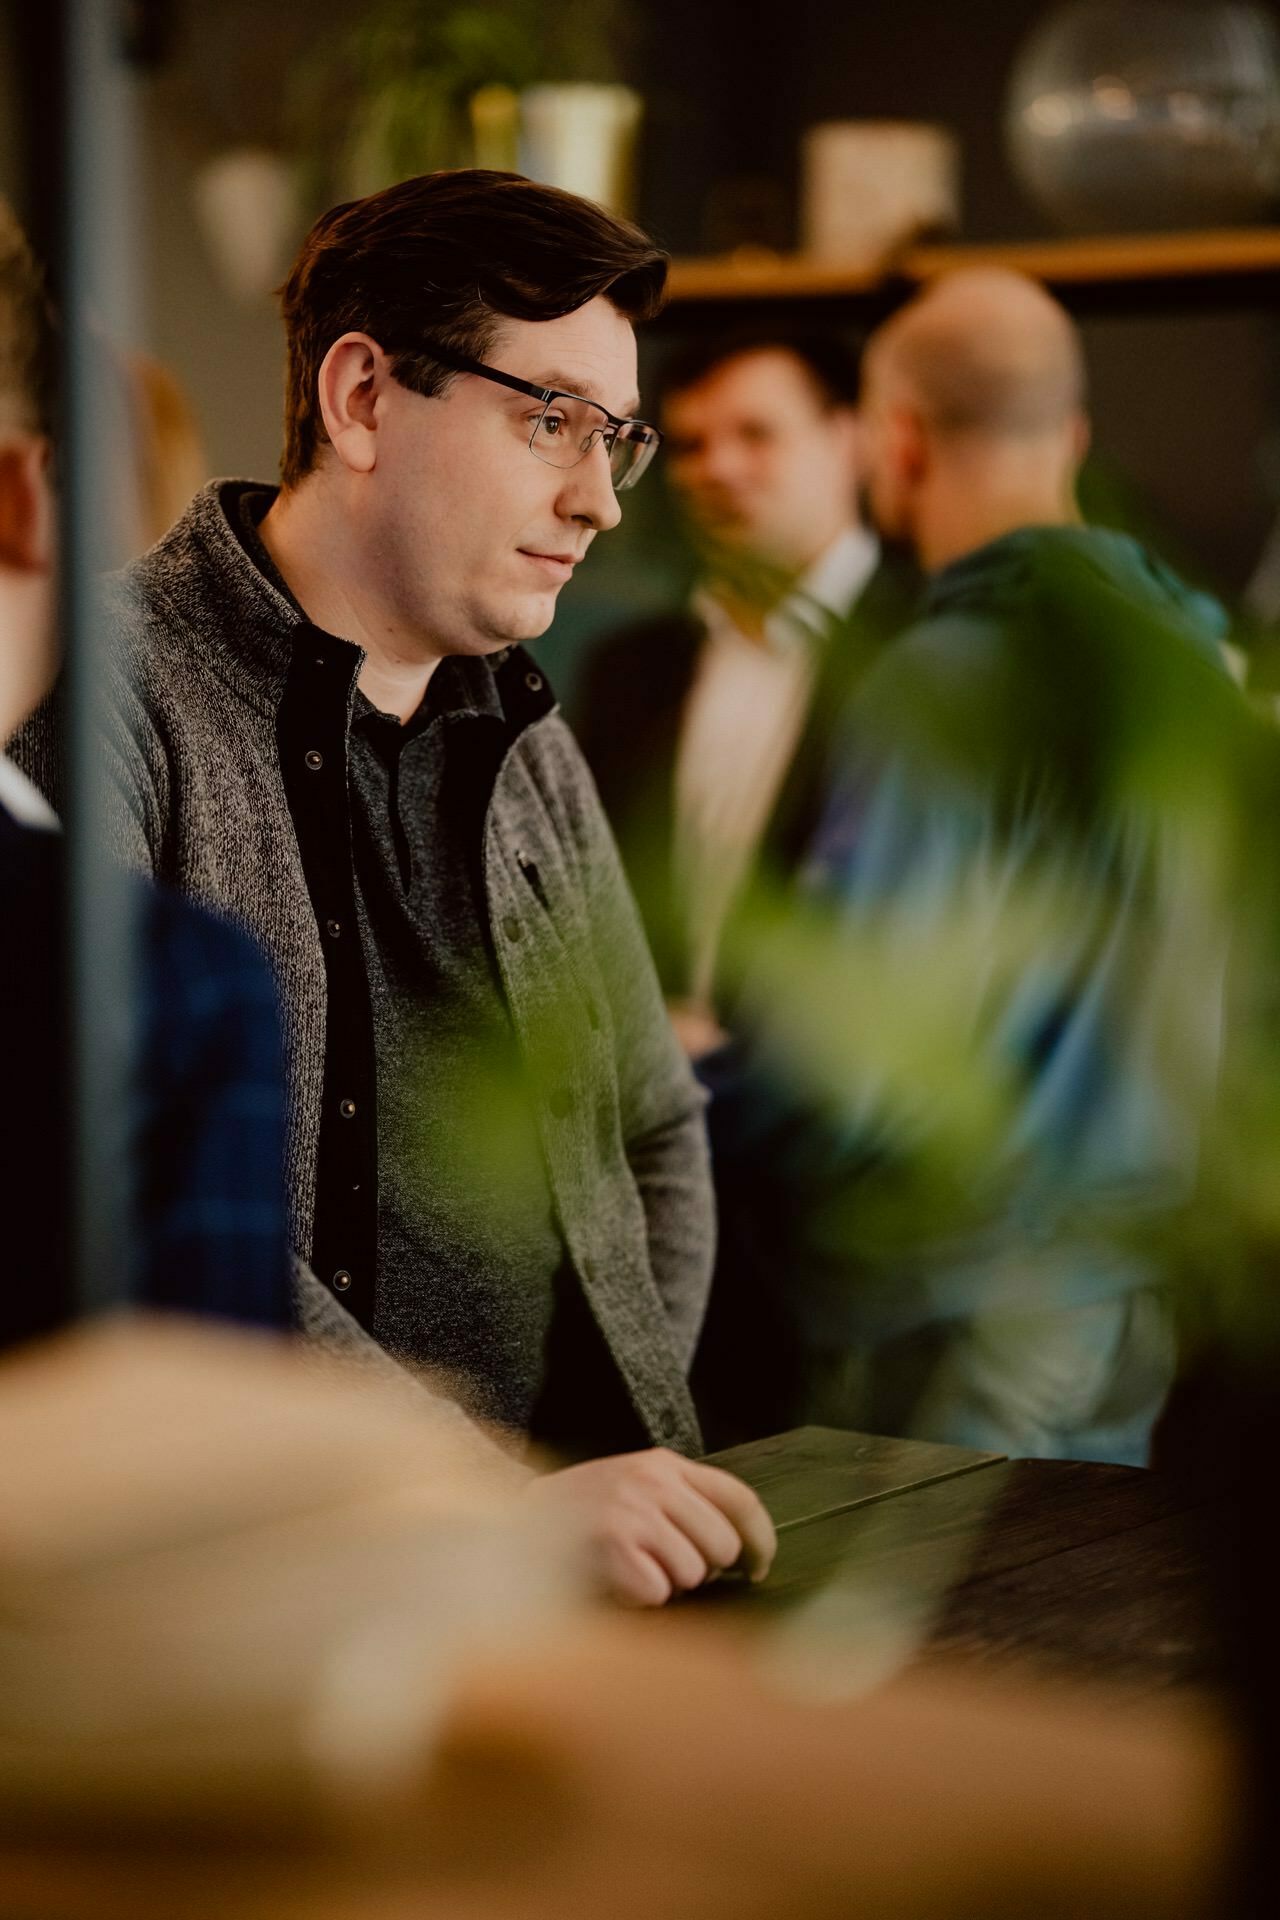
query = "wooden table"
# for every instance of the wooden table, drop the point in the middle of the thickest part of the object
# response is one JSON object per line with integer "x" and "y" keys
{"x": 1087, "y": 1570}
{"x": 1084, "y": 1570}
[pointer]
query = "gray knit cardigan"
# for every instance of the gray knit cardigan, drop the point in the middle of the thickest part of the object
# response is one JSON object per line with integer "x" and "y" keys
{"x": 204, "y": 646}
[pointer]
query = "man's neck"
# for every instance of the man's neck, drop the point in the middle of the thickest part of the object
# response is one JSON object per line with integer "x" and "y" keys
{"x": 976, "y": 521}
{"x": 314, "y": 552}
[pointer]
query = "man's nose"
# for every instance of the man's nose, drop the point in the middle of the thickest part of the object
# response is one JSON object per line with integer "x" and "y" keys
{"x": 588, "y": 494}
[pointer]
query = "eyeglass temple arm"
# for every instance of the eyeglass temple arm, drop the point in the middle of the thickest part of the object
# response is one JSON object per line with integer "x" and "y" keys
{"x": 635, "y": 429}
{"x": 460, "y": 363}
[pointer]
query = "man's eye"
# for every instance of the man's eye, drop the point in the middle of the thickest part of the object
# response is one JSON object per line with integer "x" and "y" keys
{"x": 553, "y": 424}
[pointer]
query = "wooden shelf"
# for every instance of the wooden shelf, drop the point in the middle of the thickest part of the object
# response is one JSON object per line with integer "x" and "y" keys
{"x": 1231, "y": 267}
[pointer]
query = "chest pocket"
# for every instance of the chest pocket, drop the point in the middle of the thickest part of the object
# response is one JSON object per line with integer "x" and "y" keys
{"x": 580, "y": 977}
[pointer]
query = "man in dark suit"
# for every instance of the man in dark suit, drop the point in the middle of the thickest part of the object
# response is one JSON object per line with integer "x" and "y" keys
{"x": 709, "y": 728}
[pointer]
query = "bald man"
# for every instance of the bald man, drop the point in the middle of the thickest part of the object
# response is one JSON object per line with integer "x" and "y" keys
{"x": 973, "y": 408}
{"x": 971, "y": 1107}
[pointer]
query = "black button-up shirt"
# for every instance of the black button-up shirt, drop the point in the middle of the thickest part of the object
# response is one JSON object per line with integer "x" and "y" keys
{"x": 440, "y": 1154}
{"x": 468, "y": 1248}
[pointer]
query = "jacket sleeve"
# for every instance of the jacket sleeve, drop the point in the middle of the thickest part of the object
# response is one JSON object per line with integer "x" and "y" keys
{"x": 664, "y": 1128}
{"x": 661, "y": 1104}
{"x": 336, "y": 1344}
{"x": 137, "y": 760}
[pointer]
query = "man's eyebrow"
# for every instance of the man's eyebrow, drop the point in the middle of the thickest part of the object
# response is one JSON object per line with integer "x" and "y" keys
{"x": 586, "y": 390}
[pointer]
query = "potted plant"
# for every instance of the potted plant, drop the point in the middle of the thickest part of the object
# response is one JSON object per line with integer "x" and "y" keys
{"x": 415, "y": 85}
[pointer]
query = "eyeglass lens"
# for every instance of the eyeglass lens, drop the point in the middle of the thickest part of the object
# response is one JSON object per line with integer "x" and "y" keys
{"x": 568, "y": 428}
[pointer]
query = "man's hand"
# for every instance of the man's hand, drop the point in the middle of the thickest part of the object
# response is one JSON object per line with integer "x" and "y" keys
{"x": 697, "y": 1029}
{"x": 656, "y": 1524}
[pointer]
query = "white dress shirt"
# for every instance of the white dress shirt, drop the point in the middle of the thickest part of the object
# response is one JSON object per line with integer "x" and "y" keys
{"x": 23, "y": 802}
{"x": 741, "y": 725}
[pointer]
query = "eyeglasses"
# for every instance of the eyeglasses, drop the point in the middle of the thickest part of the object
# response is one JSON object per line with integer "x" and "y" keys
{"x": 568, "y": 426}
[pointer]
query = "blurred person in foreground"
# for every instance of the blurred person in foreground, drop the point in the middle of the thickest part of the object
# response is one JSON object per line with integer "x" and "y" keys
{"x": 709, "y": 728}
{"x": 206, "y": 1111}
{"x": 970, "y": 1108}
{"x": 327, "y": 727}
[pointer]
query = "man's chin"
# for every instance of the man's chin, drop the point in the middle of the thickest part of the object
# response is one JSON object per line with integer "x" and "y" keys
{"x": 518, "y": 625}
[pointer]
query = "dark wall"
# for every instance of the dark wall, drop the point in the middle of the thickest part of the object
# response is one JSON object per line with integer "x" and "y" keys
{"x": 1182, "y": 404}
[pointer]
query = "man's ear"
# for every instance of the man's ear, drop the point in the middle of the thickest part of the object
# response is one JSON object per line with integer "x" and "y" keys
{"x": 26, "y": 504}
{"x": 352, "y": 376}
{"x": 907, "y": 439}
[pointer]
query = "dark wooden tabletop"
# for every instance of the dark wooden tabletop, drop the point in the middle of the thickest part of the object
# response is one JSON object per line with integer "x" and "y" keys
{"x": 1087, "y": 1570}
{"x": 1081, "y": 1570}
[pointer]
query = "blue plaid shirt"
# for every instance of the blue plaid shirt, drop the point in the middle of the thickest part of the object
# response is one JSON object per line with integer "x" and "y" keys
{"x": 207, "y": 1122}
{"x": 209, "y": 1137}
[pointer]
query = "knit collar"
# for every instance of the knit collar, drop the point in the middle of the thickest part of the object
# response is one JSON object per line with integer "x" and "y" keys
{"x": 202, "y": 570}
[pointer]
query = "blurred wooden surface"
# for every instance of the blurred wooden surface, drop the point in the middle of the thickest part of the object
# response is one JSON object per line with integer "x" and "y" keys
{"x": 1080, "y": 1569}
{"x": 814, "y": 1471}
{"x": 986, "y": 1567}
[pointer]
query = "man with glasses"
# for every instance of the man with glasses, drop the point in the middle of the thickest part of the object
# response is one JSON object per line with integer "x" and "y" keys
{"x": 328, "y": 728}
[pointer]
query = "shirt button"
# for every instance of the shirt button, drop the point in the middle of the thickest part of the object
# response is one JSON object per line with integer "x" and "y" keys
{"x": 341, "y": 1280}
{"x": 511, "y": 927}
{"x": 333, "y": 928}
{"x": 561, "y": 1103}
{"x": 347, "y": 1108}
{"x": 314, "y": 760}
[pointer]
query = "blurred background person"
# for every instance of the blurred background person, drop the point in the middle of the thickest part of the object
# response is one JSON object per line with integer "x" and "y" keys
{"x": 709, "y": 728}
{"x": 951, "y": 1131}
{"x": 153, "y": 427}
{"x": 170, "y": 462}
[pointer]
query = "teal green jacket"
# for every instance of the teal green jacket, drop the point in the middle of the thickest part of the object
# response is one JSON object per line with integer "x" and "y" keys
{"x": 973, "y": 1074}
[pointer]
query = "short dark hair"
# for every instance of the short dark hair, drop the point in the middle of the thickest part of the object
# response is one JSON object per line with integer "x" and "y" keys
{"x": 442, "y": 258}
{"x": 828, "y": 359}
{"x": 28, "y": 345}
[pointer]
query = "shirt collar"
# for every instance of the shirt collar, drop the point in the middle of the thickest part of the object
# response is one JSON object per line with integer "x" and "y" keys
{"x": 23, "y": 801}
{"x": 461, "y": 684}
{"x": 839, "y": 573}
